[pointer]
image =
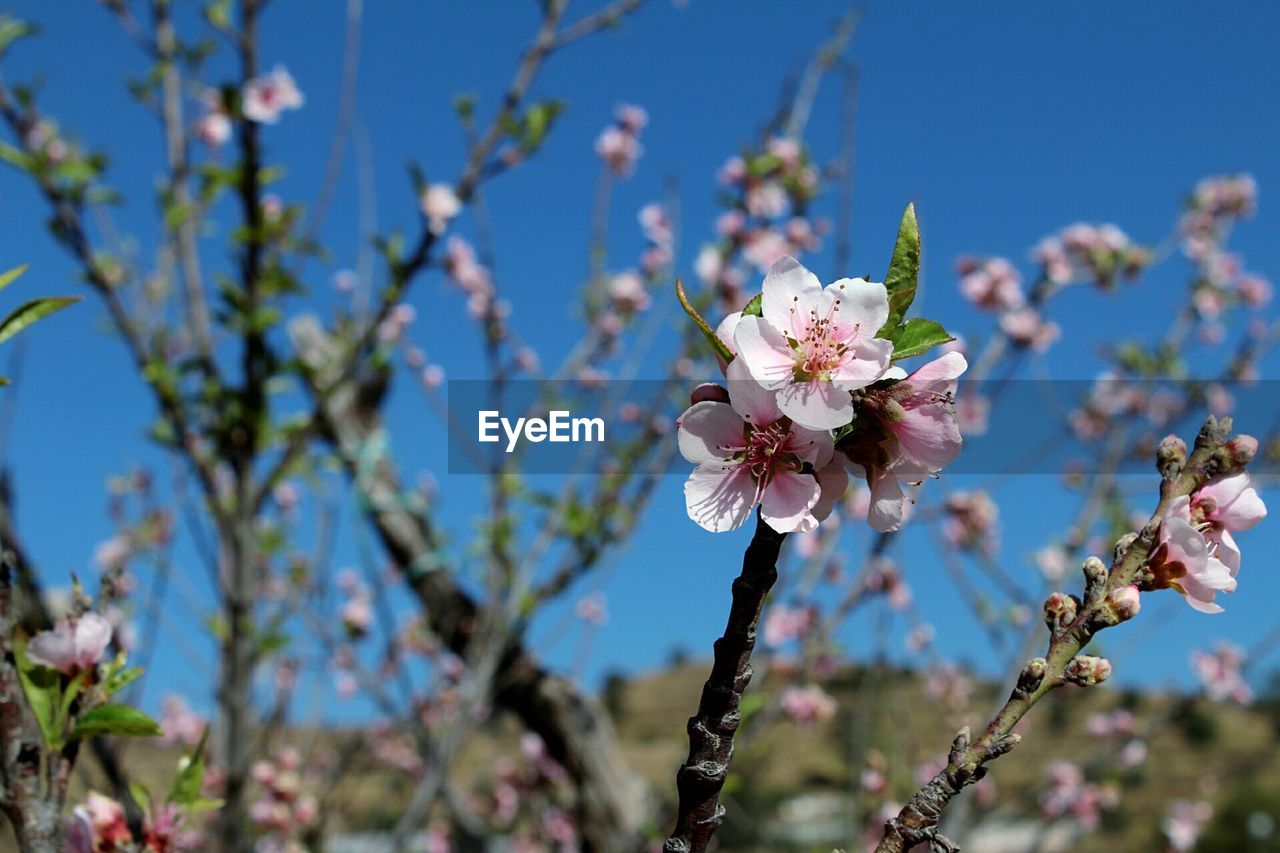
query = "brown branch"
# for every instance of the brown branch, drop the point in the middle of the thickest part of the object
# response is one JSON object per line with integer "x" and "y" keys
{"x": 711, "y": 730}
{"x": 917, "y": 822}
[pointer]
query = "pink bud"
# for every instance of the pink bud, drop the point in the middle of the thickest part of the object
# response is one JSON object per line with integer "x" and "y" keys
{"x": 1125, "y": 602}
{"x": 1242, "y": 449}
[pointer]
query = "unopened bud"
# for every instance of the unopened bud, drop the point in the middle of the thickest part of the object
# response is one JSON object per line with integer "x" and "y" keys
{"x": 1095, "y": 578}
{"x": 1060, "y": 611}
{"x": 708, "y": 392}
{"x": 1031, "y": 676}
{"x": 1171, "y": 455}
{"x": 1242, "y": 449}
{"x": 1123, "y": 544}
{"x": 1087, "y": 670}
{"x": 1120, "y": 605}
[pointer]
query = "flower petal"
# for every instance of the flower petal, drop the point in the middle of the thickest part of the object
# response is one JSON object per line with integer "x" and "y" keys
{"x": 864, "y": 304}
{"x": 752, "y": 401}
{"x": 789, "y": 290}
{"x": 765, "y": 352}
{"x": 871, "y": 357}
{"x": 787, "y": 501}
{"x": 709, "y": 432}
{"x": 816, "y": 404}
{"x": 719, "y": 497}
{"x": 833, "y": 480}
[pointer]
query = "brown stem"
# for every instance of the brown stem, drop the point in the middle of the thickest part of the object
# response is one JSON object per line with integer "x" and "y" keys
{"x": 711, "y": 730}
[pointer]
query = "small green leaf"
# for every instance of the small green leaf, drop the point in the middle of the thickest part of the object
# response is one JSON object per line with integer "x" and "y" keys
{"x": 709, "y": 333}
{"x": 904, "y": 271}
{"x": 30, "y": 312}
{"x": 114, "y": 720}
{"x": 7, "y": 278}
{"x": 190, "y": 778}
{"x": 916, "y": 337}
{"x": 43, "y": 689}
{"x": 141, "y": 795}
{"x": 117, "y": 681}
{"x": 754, "y": 308}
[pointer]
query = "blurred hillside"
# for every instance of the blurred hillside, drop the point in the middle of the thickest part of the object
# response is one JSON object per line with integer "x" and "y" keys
{"x": 802, "y": 789}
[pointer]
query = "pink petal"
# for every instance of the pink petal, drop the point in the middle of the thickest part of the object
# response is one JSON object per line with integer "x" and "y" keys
{"x": 863, "y": 304}
{"x": 708, "y": 432}
{"x": 930, "y": 435}
{"x": 92, "y": 635}
{"x": 1243, "y": 512}
{"x": 945, "y": 369}
{"x": 833, "y": 480}
{"x": 765, "y": 352}
{"x": 788, "y": 286}
{"x": 787, "y": 502}
{"x": 753, "y": 402}
{"x": 871, "y": 357}
{"x": 719, "y": 498}
{"x": 887, "y": 499}
{"x": 816, "y": 404}
{"x": 811, "y": 445}
{"x": 54, "y": 649}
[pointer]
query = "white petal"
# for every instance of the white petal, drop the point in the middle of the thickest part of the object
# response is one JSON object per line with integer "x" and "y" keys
{"x": 765, "y": 352}
{"x": 788, "y": 288}
{"x": 751, "y": 400}
{"x": 816, "y": 404}
{"x": 719, "y": 498}
{"x": 863, "y": 303}
{"x": 708, "y": 431}
{"x": 787, "y": 501}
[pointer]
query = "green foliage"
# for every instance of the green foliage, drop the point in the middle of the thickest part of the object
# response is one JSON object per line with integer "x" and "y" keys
{"x": 29, "y": 312}
{"x": 43, "y": 688}
{"x": 113, "y": 719}
{"x": 916, "y": 337}
{"x": 709, "y": 333}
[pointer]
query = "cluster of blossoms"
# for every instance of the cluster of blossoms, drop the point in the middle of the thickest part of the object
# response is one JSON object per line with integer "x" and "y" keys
{"x": 785, "y": 624}
{"x": 1111, "y": 399}
{"x": 804, "y": 367}
{"x": 972, "y": 522}
{"x": 1184, "y": 823}
{"x": 439, "y": 204}
{"x": 1070, "y": 795}
{"x": 181, "y": 725}
{"x": 1121, "y": 727}
{"x": 1083, "y": 252}
{"x": 766, "y": 220}
{"x": 808, "y": 705}
{"x": 525, "y": 802}
{"x": 282, "y": 810}
{"x": 1221, "y": 671}
{"x": 994, "y": 284}
{"x": 1214, "y": 206}
{"x": 1195, "y": 552}
{"x": 472, "y": 277}
{"x": 99, "y": 826}
{"x": 618, "y": 145}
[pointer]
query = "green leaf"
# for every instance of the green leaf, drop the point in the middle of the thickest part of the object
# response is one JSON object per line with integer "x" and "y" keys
{"x": 114, "y": 720}
{"x": 7, "y": 278}
{"x": 190, "y": 778}
{"x": 30, "y": 312}
{"x": 12, "y": 29}
{"x": 43, "y": 689}
{"x": 117, "y": 681}
{"x": 904, "y": 271}
{"x": 709, "y": 333}
{"x": 141, "y": 795}
{"x": 754, "y": 308}
{"x": 916, "y": 337}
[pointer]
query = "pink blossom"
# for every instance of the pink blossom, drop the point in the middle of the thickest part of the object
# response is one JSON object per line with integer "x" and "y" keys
{"x": 214, "y": 128}
{"x": 914, "y": 436}
{"x": 1220, "y": 507}
{"x": 1185, "y": 822}
{"x": 102, "y": 819}
{"x": 808, "y": 705}
{"x": 783, "y": 624}
{"x": 813, "y": 345}
{"x": 114, "y": 552}
{"x": 1221, "y": 671}
{"x": 74, "y": 645}
{"x": 619, "y": 149}
{"x": 1184, "y": 560}
{"x": 748, "y": 453}
{"x": 592, "y": 609}
{"x": 181, "y": 725}
{"x": 439, "y": 205}
{"x": 1025, "y": 327}
{"x": 628, "y": 292}
{"x": 265, "y": 97}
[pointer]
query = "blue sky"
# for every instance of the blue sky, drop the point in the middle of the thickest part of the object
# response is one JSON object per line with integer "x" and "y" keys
{"x": 1002, "y": 121}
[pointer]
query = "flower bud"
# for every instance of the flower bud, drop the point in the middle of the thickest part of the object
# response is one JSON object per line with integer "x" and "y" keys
{"x": 1120, "y": 605}
{"x": 1087, "y": 670}
{"x": 1031, "y": 676}
{"x": 708, "y": 391}
{"x": 1242, "y": 449}
{"x": 1095, "y": 578}
{"x": 1171, "y": 456}
{"x": 1060, "y": 611}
